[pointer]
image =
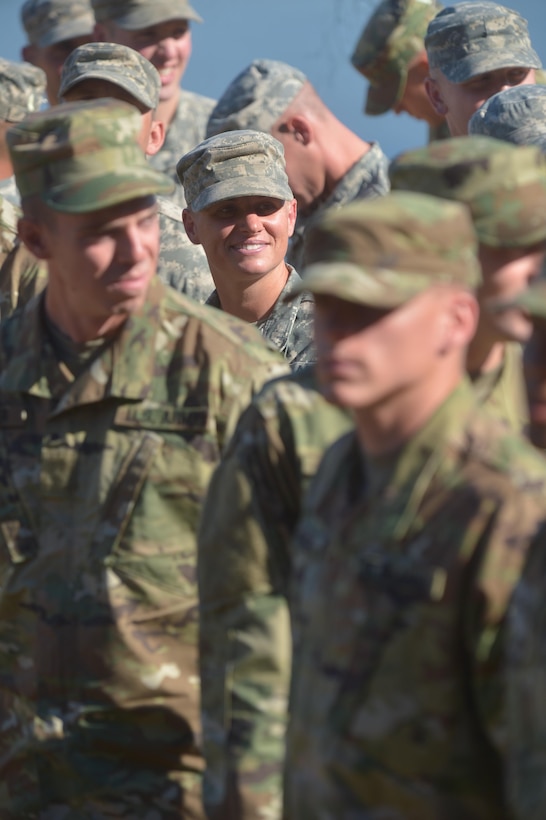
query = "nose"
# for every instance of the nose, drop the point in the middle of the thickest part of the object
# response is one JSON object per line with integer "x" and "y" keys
{"x": 166, "y": 48}
{"x": 250, "y": 222}
{"x": 130, "y": 245}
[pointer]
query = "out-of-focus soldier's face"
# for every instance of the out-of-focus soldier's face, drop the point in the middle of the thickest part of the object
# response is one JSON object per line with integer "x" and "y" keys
{"x": 534, "y": 365}
{"x": 51, "y": 60}
{"x": 506, "y": 273}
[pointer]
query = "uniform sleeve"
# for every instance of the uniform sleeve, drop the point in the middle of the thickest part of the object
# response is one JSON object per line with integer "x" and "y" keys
{"x": 245, "y": 645}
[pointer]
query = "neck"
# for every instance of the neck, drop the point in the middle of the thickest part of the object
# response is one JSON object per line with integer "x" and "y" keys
{"x": 251, "y": 301}
{"x": 166, "y": 109}
{"x": 81, "y": 328}
{"x": 385, "y": 428}
{"x": 342, "y": 149}
{"x": 485, "y": 353}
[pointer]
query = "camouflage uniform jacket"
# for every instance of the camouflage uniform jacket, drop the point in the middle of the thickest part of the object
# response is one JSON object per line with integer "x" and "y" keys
{"x": 503, "y": 392}
{"x": 399, "y": 601}
{"x": 9, "y": 217}
{"x": 438, "y": 132}
{"x": 288, "y": 326}
{"x": 181, "y": 264}
{"x": 186, "y": 130}
{"x": 9, "y": 191}
{"x": 368, "y": 178}
{"x": 102, "y": 479}
{"x": 244, "y": 562}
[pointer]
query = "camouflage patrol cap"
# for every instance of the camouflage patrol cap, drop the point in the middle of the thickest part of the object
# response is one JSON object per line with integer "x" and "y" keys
{"x": 47, "y": 22}
{"x": 23, "y": 87}
{"x": 392, "y": 37}
{"x": 120, "y": 65}
{"x": 239, "y": 163}
{"x": 385, "y": 251}
{"x": 475, "y": 37}
{"x": 135, "y": 14}
{"x": 504, "y": 185}
{"x": 256, "y": 98}
{"x": 81, "y": 157}
{"x": 516, "y": 115}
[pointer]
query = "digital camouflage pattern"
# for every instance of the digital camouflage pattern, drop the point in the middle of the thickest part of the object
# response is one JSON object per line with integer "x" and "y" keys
{"x": 244, "y": 562}
{"x": 384, "y": 252}
{"x": 23, "y": 88}
{"x": 237, "y": 163}
{"x": 402, "y": 575}
{"x": 504, "y": 185}
{"x": 502, "y": 391}
{"x": 474, "y": 37}
{"x": 102, "y": 480}
{"x": 22, "y": 276}
{"x": 47, "y": 22}
{"x": 392, "y": 37}
{"x": 289, "y": 325}
{"x": 135, "y": 14}
{"x": 9, "y": 217}
{"x": 367, "y": 179}
{"x": 181, "y": 264}
{"x": 118, "y": 64}
{"x": 517, "y": 115}
{"x": 256, "y": 98}
{"x": 80, "y": 157}
{"x": 184, "y": 132}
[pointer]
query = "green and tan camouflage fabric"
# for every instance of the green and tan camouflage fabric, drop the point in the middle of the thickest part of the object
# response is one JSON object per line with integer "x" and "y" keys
{"x": 23, "y": 89}
{"x": 403, "y": 571}
{"x": 47, "y": 22}
{"x": 392, "y": 37}
{"x": 9, "y": 217}
{"x": 22, "y": 276}
{"x": 384, "y": 252}
{"x": 186, "y": 130}
{"x": 102, "y": 479}
{"x": 83, "y": 156}
{"x": 504, "y": 185}
{"x": 256, "y": 97}
{"x": 517, "y": 115}
{"x": 233, "y": 164}
{"x": 289, "y": 325}
{"x": 473, "y": 37}
{"x": 502, "y": 392}
{"x": 250, "y": 513}
{"x": 367, "y": 179}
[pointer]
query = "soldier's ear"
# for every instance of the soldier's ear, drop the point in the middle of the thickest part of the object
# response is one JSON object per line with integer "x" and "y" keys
{"x": 435, "y": 96}
{"x": 30, "y": 233}
{"x": 156, "y": 137}
{"x": 190, "y": 226}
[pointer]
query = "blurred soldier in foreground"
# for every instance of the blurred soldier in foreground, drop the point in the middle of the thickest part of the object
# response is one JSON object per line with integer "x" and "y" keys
{"x": 100, "y": 70}
{"x": 327, "y": 163}
{"x": 160, "y": 31}
{"x": 515, "y": 115}
{"x": 118, "y": 397}
{"x": 241, "y": 209}
{"x": 475, "y": 50}
{"x": 505, "y": 189}
{"x": 391, "y": 54}
{"x": 413, "y": 535}
{"x": 54, "y": 28}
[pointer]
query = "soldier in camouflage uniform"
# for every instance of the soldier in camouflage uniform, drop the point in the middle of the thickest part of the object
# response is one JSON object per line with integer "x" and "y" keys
{"x": 241, "y": 209}
{"x": 98, "y": 70}
{"x": 414, "y": 532}
{"x": 54, "y": 28}
{"x": 505, "y": 187}
{"x": 475, "y": 50}
{"x": 244, "y": 560}
{"x": 391, "y": 54}
{"x": 118, "y": 396}
{"x": 160, "y": 31}
{"x": 328, "y": 165}
{"x": 515, "y": 115}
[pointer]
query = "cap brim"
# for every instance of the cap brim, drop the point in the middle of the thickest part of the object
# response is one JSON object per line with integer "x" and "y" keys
{"x": 155, "y": 13}
{"x": 345, "y": 280}
{"x": 463, "y": 70}
{"x": 67, "y": 31}
{"x": 241, "y": 186}
{"x": 118, "y": 80}
{"x": 381, "y": 98}
{"x": 95, "y": 193}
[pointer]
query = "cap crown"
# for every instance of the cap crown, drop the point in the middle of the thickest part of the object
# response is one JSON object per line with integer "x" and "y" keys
{"x": 47, "y": 22}
{"x": 23, "y": 88}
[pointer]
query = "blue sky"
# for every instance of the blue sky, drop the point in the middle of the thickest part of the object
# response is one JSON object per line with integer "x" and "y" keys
{"x": 317, "y": 36}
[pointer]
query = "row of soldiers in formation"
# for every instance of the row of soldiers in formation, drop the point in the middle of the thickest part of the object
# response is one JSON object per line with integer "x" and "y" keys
{"x": 280, "y": 554}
